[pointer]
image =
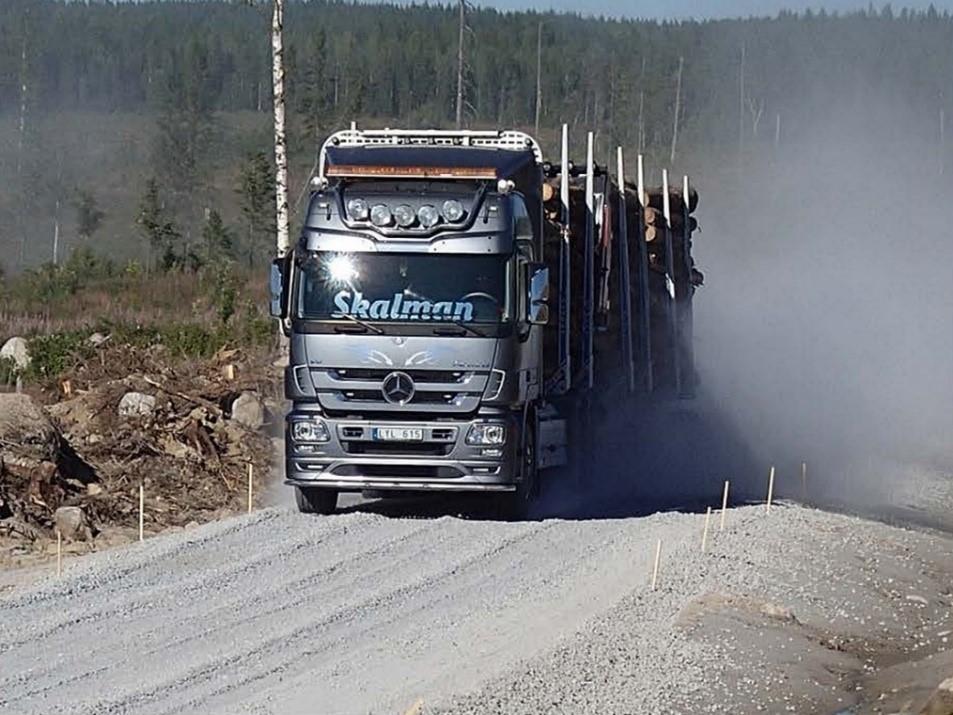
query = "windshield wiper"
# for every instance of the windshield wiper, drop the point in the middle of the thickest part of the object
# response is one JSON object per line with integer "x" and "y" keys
{"x": 363, "y": 323}
{"x": 460, "y": 324}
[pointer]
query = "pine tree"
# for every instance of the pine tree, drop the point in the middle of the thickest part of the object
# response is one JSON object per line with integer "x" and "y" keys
{"x": 217, "y": 239}
{"x": 257, "y": 194}
{"x": 89, "y": 217}
{"x": 160, "y": 233}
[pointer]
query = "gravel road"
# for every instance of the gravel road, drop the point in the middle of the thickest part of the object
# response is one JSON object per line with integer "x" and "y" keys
{"x": 367, "y": 613}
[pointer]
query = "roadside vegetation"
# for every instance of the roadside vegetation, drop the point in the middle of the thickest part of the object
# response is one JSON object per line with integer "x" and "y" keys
{"x": 192, "y": 312}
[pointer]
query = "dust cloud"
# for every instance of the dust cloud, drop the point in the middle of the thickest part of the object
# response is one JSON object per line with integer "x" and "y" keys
{"x": 824, "y": 332}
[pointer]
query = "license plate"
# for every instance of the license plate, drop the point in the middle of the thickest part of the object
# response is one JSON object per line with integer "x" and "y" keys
{"x": 398, "y": 434}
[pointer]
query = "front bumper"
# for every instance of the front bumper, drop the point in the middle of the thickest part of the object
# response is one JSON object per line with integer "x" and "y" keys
{"x": 353, "y": 460}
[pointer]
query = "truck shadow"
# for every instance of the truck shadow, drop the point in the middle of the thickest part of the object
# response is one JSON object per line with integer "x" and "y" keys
{"x": 654, "y": 458}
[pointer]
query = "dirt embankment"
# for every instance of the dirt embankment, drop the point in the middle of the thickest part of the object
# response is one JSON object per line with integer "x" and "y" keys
{"x": 74, "y": 451}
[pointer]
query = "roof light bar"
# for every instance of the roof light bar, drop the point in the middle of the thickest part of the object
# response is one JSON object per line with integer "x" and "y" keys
{"x": 412, "y": 172}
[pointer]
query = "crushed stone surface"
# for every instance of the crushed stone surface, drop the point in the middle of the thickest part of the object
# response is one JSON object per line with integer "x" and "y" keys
{"x": 278, "y": 612}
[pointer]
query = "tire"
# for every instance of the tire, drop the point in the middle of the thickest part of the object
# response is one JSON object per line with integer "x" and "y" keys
{"x": 311, "y": 500}
{"x": 516, "y": 506}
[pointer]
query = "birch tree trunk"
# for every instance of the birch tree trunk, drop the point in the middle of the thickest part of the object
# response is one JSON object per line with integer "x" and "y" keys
{"x": 741, "y": 103}
{"x": 21, "y": 144}
{"x": 678, "y": 107}
{"x": 539, "y": 76}
{"x": 463, "y": 16}
{"x": 281, "y": 149}
{"x": 641, "y": 138}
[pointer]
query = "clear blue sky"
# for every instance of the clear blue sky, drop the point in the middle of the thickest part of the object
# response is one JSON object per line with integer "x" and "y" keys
{"x": 698, "y": 9}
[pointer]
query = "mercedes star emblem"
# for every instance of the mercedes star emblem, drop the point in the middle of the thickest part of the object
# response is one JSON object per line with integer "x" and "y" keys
{"x": 398, "y": 388}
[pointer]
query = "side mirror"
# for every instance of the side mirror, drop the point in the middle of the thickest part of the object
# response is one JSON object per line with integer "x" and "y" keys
{"x": 538, "y": 305}
{"x": 276, "y": 286}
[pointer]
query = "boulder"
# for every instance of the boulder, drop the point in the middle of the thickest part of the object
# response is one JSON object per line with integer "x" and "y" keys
{"x": 941, "y": 702}
{"x": 25, "y": 431}
{"x": 72, "y": 523}
{"x": 16, "y": 349}
{"x": 248, "y": 411}
{"x": 136, "y": 404}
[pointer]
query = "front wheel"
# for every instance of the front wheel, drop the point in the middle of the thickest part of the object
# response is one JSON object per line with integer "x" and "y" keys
{"x": 516, "y": 506}
{"x": 311, "y": 500}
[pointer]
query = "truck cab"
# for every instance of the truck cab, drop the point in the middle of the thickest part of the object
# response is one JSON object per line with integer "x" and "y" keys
{"x": 414, "y": 301}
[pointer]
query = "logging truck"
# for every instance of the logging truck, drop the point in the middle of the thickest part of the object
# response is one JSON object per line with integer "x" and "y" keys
{"x": 456, "y": 305}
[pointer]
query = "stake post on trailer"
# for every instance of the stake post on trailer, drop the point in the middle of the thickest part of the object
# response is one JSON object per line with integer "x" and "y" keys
{"x": 588, "y": 285}
{"x": 670, "y": 305}
{"x": 686, "y": 318}
{"x": 565, "y": 278}
{"x": 645, "y": 318}
{"x": 625, "y": 291}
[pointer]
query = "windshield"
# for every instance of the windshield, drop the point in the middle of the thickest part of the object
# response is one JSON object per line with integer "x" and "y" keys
{"x": 396, "y": 287}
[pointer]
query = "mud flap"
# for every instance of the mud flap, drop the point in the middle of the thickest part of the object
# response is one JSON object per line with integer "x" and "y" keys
{"x": 552, "y": 442}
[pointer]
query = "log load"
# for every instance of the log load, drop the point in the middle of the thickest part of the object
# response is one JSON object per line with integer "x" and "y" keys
{"x": 686, "y": 277}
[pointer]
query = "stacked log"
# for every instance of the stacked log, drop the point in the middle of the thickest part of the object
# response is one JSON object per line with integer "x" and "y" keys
{"x": 651, "y": 219}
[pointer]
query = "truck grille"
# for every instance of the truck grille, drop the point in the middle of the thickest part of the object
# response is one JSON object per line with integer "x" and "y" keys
{"x": 412, "y": 449}
{"x": 420, "y": 377}
{"x": 419, "y": 398}
{"x": 359, "y": 389}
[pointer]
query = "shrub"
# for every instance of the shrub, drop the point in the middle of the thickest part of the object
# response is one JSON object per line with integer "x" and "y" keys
{"x": 50, "y": 355}
{"x": 8, "y": 371}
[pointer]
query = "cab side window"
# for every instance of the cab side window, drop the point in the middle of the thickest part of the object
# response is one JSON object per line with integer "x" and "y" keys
{"x": 523, "y": 239}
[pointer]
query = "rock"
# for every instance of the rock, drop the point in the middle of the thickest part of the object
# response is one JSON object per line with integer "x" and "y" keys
{"x": 25, "y": 431}
{"x": 94, "y": 439}
{"x": 136, "y": 404}
{"x": 941, "y": 702}
{"x": 176, "y": 449}
{"x": 16, "y": 349}
{"x": 777, "y": 612}
{"x": 248, "y": 411}
{"x": 918, "y": 599}
{"x": 97, "y": 339}
{"x": 72, "y": 523}
{"x": 94, "y": 489}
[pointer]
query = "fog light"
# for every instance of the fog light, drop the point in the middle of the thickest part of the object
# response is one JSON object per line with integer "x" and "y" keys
{"x": 486, "y": 434}
{"x": 453, "y": 210}
{"x": 381, "y": 215}
{"x": 405, "y": 216}
{"x": 358, "y": 210}
{"x": 428, "y": 216}
{"x": 309, "y": 431}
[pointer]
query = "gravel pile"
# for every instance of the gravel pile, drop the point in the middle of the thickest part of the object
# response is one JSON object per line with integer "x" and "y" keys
{"x": 361, "y": 613}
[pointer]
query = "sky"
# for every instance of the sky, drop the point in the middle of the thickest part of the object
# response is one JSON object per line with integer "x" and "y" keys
{"x": 695, "y": 9}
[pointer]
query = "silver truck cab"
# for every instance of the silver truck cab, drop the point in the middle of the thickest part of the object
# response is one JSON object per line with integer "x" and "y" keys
{"x": 415, "y": 302}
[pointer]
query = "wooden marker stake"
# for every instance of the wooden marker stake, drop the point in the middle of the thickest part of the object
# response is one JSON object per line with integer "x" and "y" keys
{"x": 705, "y": 532}
{"x": 767, "y": 505}
{"x": 250, "y": 473}
{"x": 230, "y": 372}
{"x": 142, "y": 512}
{"x": 658, "y": 558}
{"x": 724, "y": 506}
{"x": 803, "y": 481}
{"x": 59, "y": 553}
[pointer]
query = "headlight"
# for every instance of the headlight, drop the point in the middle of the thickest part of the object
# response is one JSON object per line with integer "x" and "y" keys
{"x": 428, "y": 216}
{"x": 309, "y": 431}
{"x": 453, "y": 210}
{"x": 381, "y": 215}
{"x": 481, "y": 434}
{"x": 405, "y": 216}
{"x": 357, "y": 209}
